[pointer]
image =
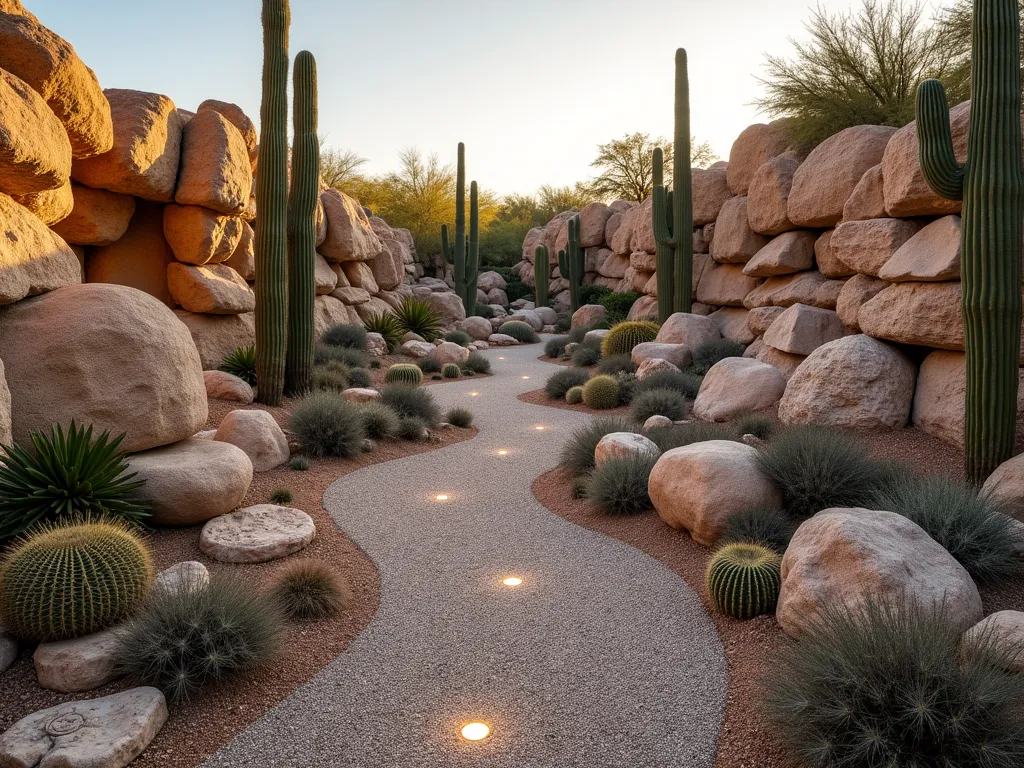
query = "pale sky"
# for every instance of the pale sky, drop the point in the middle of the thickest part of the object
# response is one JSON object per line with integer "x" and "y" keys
{"x": 530, "y": 86}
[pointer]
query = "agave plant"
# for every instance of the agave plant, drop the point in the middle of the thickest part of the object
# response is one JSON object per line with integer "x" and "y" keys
{"x": 67, "y": 475}
{"x": 241, "y": 363}
{"x": 388, "y": 326}
{"x": 419, "y": 317}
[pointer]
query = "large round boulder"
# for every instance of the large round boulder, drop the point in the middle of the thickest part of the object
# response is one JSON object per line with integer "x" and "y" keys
{"x": 622, "y": 445}
{"x": 737, "y": 385}
{"x": 691, "y": 330}
{"x": 450, "y": 352}
{"x": 258, "y": 435}
{"x": 105, "y": 355}
{"x": 851, "y": 556}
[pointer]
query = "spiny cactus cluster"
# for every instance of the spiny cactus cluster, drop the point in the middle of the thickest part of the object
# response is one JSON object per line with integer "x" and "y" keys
{"x": 601, "y": 393}
{"x": 451, "y": 371}
{"x": 574, "y": 395}
{"x": 520, "y": 331}
{"x": 463, "y": 256}
{"x": 621, "y": 339}
{"x": 68, "y": 581}
{"x": 404, "y": 373}
{"x": 744, "y": 580}
{"x": 571, "y": 263}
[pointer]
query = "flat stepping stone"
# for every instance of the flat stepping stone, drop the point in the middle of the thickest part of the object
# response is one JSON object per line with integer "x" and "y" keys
{"x": 257, "y": 534}
{"x": 108, "y": 732}
{"x": 82, "y": 664}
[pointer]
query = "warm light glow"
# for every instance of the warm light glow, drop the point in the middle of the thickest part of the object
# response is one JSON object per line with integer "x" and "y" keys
{"x": 501, "y": 358}
{"x": 526, "y": 377}
{"x": 473, "y": 394}
{"x": 441, "y": 497}
{"x": 475, "y": 731}
{"x": 512, "y": 581}
{"x": 540, "y": 427}
{"x": 503, "y": 452}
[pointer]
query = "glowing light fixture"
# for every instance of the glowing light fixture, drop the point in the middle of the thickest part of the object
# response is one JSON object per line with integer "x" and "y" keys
{"x": 526, "y": 377}
{"x": 475, "y": 731}
{"x": 473, "y": 394}
{"x": 501, "y": 358}
{"x": 512, "y": 581}
{"x": 503, "y": 452}
{"x": 441, "y": 497}
{"x": 540, "y": 427}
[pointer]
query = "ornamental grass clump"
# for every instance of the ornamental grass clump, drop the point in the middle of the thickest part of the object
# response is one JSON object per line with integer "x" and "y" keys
{"x": 412, "y": 428}
{"x": 678, "y": 435}
{"x": 281, "y": 496}
{"x": 411, "y": 402}
{"x": 520, "y": 331}
{"x": 299, "y": 464}
{"x": 241, "y": 363}
{"x": 309, "y": 590}
{"x": 768, "y": 526}
{"x": 744, "y": 580}
{"x": 554, "y": 348}
{"x": 345, "y": 335}
{"x": 686, "y": 384}
{"x": 711, "y": 352}
{"x": 324, "y": 354}
{"x": 561, "y": 381}
{"x": 657, "y": 402}
{"x": 333, "y": 377}
{"x": 326, "y": 425}
{"x": 619, "y": 485}
{"x": 460, "y": 417}
{"x": 578, "y": 452}
{"x": 756, "y": 424}
{"x": 429, "y": 365}
{"x": 616, "y": 364}
{"x": 601, "y": 393}
{"x": 476, "y": 363}
{"x": 379, "y": 420}
{"x": 889, "y": 683}
{"x": 586, "y": 355}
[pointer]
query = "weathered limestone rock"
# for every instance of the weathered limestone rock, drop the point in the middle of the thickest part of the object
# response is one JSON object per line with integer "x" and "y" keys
{"x": 418, "y": 349}
{"x": 850, "y": 556}
{"x": 829, "y": 175}
{"x": 867, "y": 200}
{"x": 1003, "y": 630}
{"x": 449, "y": 352}
{"x": 215, "y": 170}
{"x": 699, "y": 487}
{"x": 865, "y": 246}
{"x": 588, "y": 315}
{"x": 98, "y": 217}
{"x": 82, "y": 664}
{"x": 755, "y": 146}
{"x": 735, "y": 242}
{"x": 931, "y": 255}
{"x": 215, "y": 336}
{"x": 181, "y": 575}
{"x": 349, "y": 234}
{"x": 855, "y": 382}
{"x": 50, "y": 66}
{"x": 214, "y": 290}
{"x": 35, "y": 154}
{"x": 828, "y": 264}
{"x": 737, "y": 385}
{"x": 501, "y": 340}
{"x": 109, "y": 732}
{"x": 802, "y": 329}
{"x": 760, "y": 319}
{"x": 201, "y": 236}
{"x": 786, "y": 254}
{"x": 855, "y": 293}
{"x": 691, "y": 330}
{"x": 768, "y": 196}
{"x": 106, "y": 355}
{"x": 147, "y": 146}
{"x": 732, "y": 324}
{"x": 234, "y": 115}
{"x": 710, "y": 191}
{"x": 33, "y": 259}
{"x": 360, "y": 395}
{"x": 449, "y": 306}
{"x": 622, "y": 445}
{"x": 256, "y": 433}
{"x": 257, "y": 534}
{"x": 786, "y": 363}
{"x": 679, "y": 355}
{"x": 926, "y": 314}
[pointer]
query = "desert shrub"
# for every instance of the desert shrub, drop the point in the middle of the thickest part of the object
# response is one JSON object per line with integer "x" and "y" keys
{"x": 578, "y": 334}
{"x": 451, "y": 371}
{"x": 461, "y": 338}
{"x": 627, "y": 386}
{"x": 429, "y": 365}
{"x": 586, "y": 355}
{"x": 744, "y": 580}
{"x": 574, "y": 396}
{"x": 563, "y": 380}
{"x": 418, "y": 316}
{"x": 476, "y": 363}
{"x": 374, "y": 364}
{"x": 404, "y": 373}
{"x": 563, "y": 323}
{"x": 241, "y": 363}
{"x": 353, "y": 358}
{"x": 195, "y": 635}
{"x": 520, "y": 331}
{"x": 388, "y": 326}
{"x": 467, "y": 372}
{"x": 618, "y": 305}
{"x": 333, "y": 377}
{"x": 281, "y": 496}
{"x": 409, "y": 402}
{"x": 345, "y": 335}
{"x": 601, "y": 393}
{"x": 686, "y": 384}
{"x": 592, "y": 294}
{"x": 411, "y": 427}
{"x": 66, "y": 475}
{"x": 516, "y": 289}
{"x": 973, "y": 530}
{"x": 299, "y": 464}
{"x": 657, "y": 402}
{"x": 678, "y": 435}
{"x": 65, "y": 581}
{"x": 555, "y": 347}
{"x": 817, "y": 468}
{"x": 460, "y": 417}
{"x": 309, "y": 590}
{"x": 578, "y": 452}
{"x": 767, "y": 526}
{"x": 379, "y": 420}
{"x": 755, "y": 424}
{"x": 711, "y": 352}
{"x": 619, "y": 485}
{"x": 437, "y": 377}
{"x": 616, "y": 364}
{"x": 623, "y": 336}
{"x": 887, "y": 684}
{"x": 326, "y": 425}
{"x": 486, "y": 311}
{"x": 359, "y": 377}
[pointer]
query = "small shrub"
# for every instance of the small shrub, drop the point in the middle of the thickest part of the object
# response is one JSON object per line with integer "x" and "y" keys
{"x": 578, "y": 452}
{"x": 660, "y": 402}
{"x": 404, "y": 373}
{"x": 460, "y": 417}
{"x": 755, "y": 424}
{"x": 281, "y": 496}
{"x": 520, "y": 331}
{"x": 711, "y": 352}
{"x": 409, "y": 402}
{"x": 578, "y": 334}
{"x": 429, "y": 365}
{"x": 561, "y": 381}
{"x": 411, "y": 428}
{"x": 592, "y": 294}
{"x": 241, "y": 363}
{"x": 451, "y": 371}
{"x": 618, "y": 305}
{"x": 388, "y": 326}
{"x": 299, "y": 464}
{"x": 468, "y": 372}
{"x": 627, "y": 386}
{"x": 476, "y": 363}
{"x": 574, "y": 396}
{"x": 196, "y": 634}
{"x": 678, "y": 435}
{"x": 767, "y": 526}
{"x": 619, "y": 485}
{"x": 331, "y": 378}
{"x": 686, "y": 384}
{"x": 326, "y": 425}
{"x": 975, "y": 532}
{"x": 616, "y": 364}
{"x": 418, "y": 316}
{"x": 744, "y": 580}
{"x": 359, "y": 377}
{"x": 345, "y": 335}
{"x": 563, "y": 323}
{"x": 887, "y": 684}
{"x": 486, "y": 311}
{"x": 353, "y": 358}
{"x": 437, "y": 377}
{"x": 374, "y": 364}
{"x": 379, "y": 420}
{"x": 461, "y": 338}
{"x": 554, "y": 348}
{"x": 601, "y": 393}
{"x": 309, "y": 590}
{"x": 621, "y": 339}
{"x": 586, "y": 355}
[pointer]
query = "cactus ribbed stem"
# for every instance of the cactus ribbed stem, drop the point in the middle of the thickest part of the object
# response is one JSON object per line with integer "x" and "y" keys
{"x": 664, "y": 253}
{"x": 541, "y": 274}
{"x": 991, "y": 184}
{"x": 271, "y": 242}
{"x": 462, "y": 255}
{"x": 302, "y": 202}
{"x": 571, "y": 263}
{"x": 472, "y": 269}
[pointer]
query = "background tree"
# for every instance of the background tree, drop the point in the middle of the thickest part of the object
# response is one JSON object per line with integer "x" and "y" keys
{"x": 953, "y": 28}
{"x": 859, "y": 67}
{"x": 626, "y": 168}
{"x": 339, "y": 167}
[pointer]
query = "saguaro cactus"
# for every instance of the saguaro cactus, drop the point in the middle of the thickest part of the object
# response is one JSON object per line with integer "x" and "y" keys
{"x": 990, "y": 183}
{"x": 541, "y": 274}
{"x": 465, "y": 260}
{"x": 302, "y": 226}
{"x": 673, "y": 211}
{"x": 571, "y": 264}
{"x": 272, "y": 207}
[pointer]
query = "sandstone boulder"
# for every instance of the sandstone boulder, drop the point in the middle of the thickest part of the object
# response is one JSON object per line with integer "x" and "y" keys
{"x": 449, "y": 352}
{"x": 35, "y": 154}
{"x": 234, "y": 115}
{"x": 139, "y": 259}
{"x": 768, "y": 196}
{"x": 827, "y": 263}
{"x": 786, "y": 254}
{"x": 212, "y": 290}
{"x": 755, "y": 146}
{"x": 855, "y": 293}
{"x": 725, "y": 285}
{"x": 215, "y": 336}
{"x": 1005, "y": 487}
{"x": 710, "y": 191}
{"x": 622, "y": 445}
{"x": 931, "y": 255}
{"x": 732, "y": 324}
{"x": 51, "y": 206}
{"x": 644, "y": 308}
{"x": 866, "y": 246}
{"x": 678, "y": 355}
{"x": 215, "y": 171}
{"x": 82, "y": 664}
{"x": 689, "y": 329}
{"x": 811, "y": 288}
{"x": 737, "y": 385}
{"x": 360, "y": 395}
{"x": 98, "y": 217}
{"x": 328, "y": 311}
{"x": 449, "y": 306}
{"x": 221, "y": 385}
{"x": 258, "y": 435}
{"x": 1003, "y": 631}
{"x": 349, "y": 234}
{"x": 786, "y": 363}
{"x": 925, "y": 314}
{"x": 801, "y": 329}
{"x": 243, "y": 258}
{"x": 33, "y": 259}
{"x": 867, "y": 200}
{"x": 760, "y": 319}
{"x": 418, "y": 349}
{"x": 257, "y": 534}
{"x": 359, "y": 275}
{"x": 735, "y": 242}
{"x": 200, "y": 236}
{"x": 593, "y": 218}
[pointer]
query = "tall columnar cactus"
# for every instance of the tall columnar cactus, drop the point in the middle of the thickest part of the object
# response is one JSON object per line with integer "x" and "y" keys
{"x": 472, "y": 269}
{"x": 571, "y": 263}
{"x": 541, "y": 274}
{"x": 673, "y": 211}
{"x": 302, "y": 226}
{"x": 272, "y": 208}
{"x": 990, "y": 183}
{"x": 462, "y": 255}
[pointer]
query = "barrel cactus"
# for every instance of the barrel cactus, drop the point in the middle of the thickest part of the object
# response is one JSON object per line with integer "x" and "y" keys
{"x": 601, "y": 393}
{"x": 574, "y": 395}
{"x": 68, "y": 581}
{"x": 744, "y": 580}
{"x": 623, "y": 337}
{"x": 404, "y": 373}
{"x": 520, "y": 331}
{"x": 451, "y": 371}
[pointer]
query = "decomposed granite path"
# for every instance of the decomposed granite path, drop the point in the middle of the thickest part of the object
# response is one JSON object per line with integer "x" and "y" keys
{"x": 601, "y": 658}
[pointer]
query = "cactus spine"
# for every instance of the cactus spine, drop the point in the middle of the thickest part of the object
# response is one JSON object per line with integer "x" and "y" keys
{"x": 672, "y": 215}
{"x": 990, "y": 183}
{"x": 621, "y": 339}
{"x": 601, "y": 393}
{"x": 404, "y": 373}
{"x": 302, "y": 202}
{"x": 571, "y": 264}
{"x": 272, "y": 205}
{"x": 744, "y": 580}
{"x": 463, "y": 256}
{"x": 541, "y": 275}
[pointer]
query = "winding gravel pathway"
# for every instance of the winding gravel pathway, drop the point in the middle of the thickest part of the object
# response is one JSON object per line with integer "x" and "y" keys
{"x": 601, "y": 658}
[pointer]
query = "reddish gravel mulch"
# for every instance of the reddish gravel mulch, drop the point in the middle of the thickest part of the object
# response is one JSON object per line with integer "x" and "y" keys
{"x": 555, "y": 361}
{"x": 197, "y": 728}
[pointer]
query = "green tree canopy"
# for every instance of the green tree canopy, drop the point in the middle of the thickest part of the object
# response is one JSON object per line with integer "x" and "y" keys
{"x": 953, "y": 26}
{"x": 626, "y": 166}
